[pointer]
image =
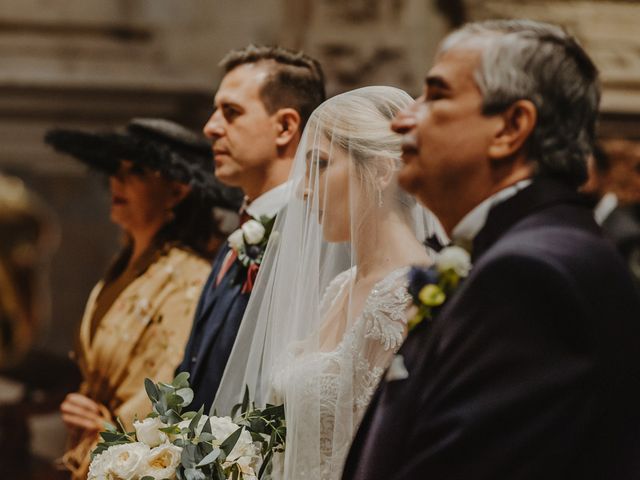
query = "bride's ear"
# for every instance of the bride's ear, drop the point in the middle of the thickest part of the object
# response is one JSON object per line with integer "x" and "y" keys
{"x": 386, "y": 172}
{"x": 288, "y": 126}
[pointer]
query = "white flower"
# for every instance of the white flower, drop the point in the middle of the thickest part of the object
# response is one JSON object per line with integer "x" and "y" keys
{"x": 199, "y": 427}
{"x": 120, "y": 462}
{"x": 454, "y": 258}
{"x": 253, "y": 232}
{"x": 397, "y": 369}
{"x": 98, "y": 466}
{"x": 245, "y": 452}
{"x": 148, "y": 431}
{"x": 236, "y": 239}
{"x": 161, "y": 462}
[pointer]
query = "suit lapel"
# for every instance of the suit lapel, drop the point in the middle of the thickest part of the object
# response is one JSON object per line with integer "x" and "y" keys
{"x": 211, "y": 291}
{"x": 541, "y": 194}
{"x": 216, "y": 310}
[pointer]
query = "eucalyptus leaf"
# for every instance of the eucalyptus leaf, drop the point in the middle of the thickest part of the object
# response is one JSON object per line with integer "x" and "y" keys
{"x": 173, "y": 417}
{"x": 152, "y": 390}
{"x": 231, "y": 441}
{"x": 194, "y": 474}
{"x": 193, "y": 425}
{"x": 265, "y": 464}
{"x": 110, "y": 427}
{"x": 188, "y": 457}
{"x": 210, "y": 458}
{"x": 181, "y": 380}
{"x": 186, "y": 394}
{"x": 174, "y": 401}
{"x": 245, "y": 400}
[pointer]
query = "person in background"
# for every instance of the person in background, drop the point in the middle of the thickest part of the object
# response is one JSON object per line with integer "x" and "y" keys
{"x": 28, "y": 238}
{"x": 614, "y": 184}
{"x": 138, "y": 316}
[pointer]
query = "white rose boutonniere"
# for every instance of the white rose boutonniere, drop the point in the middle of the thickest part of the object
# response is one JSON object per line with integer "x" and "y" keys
{"x": 454, "y": 258}
{"x": 253, "y": 232}
{"x": 249, "y": 243}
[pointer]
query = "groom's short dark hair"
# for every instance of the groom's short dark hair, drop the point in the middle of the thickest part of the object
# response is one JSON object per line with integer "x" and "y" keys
{"x": 540, "y": 62}
{"x": 296, "y": 80}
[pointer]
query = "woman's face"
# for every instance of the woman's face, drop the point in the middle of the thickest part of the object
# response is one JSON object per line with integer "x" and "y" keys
{"x": 327, "y": 176}
{"x": 140, "y": 199}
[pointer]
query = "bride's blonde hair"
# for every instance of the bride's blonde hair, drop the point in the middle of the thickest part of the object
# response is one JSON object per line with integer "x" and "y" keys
{"x": 359, "y": 122}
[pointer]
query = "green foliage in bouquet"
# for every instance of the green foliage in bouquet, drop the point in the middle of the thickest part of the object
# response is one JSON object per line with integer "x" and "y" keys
{"x": 210, "y": 447}
{"x": 266, "y": 426}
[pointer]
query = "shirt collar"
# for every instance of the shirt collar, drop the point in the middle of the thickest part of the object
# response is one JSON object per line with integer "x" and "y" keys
{"x": 270, "y": 203}
{"x": 606, "y": 205}
{"x": 472, "y": 222}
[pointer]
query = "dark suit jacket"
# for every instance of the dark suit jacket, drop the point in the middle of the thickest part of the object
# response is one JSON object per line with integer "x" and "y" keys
{"x": 217, "y": 319}
{"x": 532, "y": 368}
{"x": 623, "y": 227}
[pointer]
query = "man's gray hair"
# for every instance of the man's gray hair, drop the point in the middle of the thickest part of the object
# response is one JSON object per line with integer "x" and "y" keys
{"x": 540, "y": 62}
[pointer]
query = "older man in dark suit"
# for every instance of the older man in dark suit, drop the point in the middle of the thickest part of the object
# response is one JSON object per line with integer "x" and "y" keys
{"x": 260, "y": 109}
{"x": 531, "y": 369}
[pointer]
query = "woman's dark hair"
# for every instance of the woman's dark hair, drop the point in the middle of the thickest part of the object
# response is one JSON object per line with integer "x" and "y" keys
{"x": 193, "y": 225}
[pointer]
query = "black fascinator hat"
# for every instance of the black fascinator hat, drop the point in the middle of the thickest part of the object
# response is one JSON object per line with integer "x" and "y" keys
{"x": 154, "y": 143}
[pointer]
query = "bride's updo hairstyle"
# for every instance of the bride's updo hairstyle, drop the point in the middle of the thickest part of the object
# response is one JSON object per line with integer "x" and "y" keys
{"x": 359, "y": 123}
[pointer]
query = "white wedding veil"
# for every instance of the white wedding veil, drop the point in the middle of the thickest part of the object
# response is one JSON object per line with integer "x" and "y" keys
{"x": 328, "y": 309}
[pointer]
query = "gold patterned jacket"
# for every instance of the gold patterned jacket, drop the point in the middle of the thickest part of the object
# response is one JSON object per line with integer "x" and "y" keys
{"x": 143, "y": 334}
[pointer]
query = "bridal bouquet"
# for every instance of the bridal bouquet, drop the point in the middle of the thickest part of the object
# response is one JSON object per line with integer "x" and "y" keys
{"x": 170, "y": 444}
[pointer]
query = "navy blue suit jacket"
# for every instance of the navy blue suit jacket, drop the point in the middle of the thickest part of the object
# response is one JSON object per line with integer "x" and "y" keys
{"x": 532, "y": 368}
{"x": 217, "y": 319}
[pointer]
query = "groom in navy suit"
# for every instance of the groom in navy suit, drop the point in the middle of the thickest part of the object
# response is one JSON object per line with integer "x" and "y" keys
{"x": 260, "y": 109}
{"x": 531, "y": 369}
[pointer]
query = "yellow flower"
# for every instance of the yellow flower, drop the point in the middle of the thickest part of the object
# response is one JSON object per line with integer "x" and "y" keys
{"x": 432, "y": 295}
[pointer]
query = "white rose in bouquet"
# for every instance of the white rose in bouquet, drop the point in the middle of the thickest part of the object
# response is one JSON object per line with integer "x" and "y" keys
{"x": 454, "y": 258}
{"x": 245, "y": 452}
{"x": 98, "y": 469}
{"x": 161, "y": 462}
{"x": 253, "y": 232}
{"x": 185, "y": 424}
{"x": 120, "y": 461}
{"x": 148, "y": 431}
{"x": 236, "y": 239}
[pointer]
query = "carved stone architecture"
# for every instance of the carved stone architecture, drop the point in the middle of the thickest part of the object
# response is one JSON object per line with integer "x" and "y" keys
{"x": 366, "y": 42}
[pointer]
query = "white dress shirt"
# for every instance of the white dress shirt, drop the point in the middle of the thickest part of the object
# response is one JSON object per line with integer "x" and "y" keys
{"x": 471, "y": 224}
{"x": 270, "y": 202}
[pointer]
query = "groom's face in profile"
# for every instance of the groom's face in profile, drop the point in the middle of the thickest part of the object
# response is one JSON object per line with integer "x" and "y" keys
{"x": 446, "y": 135}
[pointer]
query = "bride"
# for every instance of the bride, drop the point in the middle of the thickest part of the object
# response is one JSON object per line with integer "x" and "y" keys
{"x": 329, "y": 307}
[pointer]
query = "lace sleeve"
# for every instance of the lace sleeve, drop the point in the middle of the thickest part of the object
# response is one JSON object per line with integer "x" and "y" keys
{"x": 385, "y": 311}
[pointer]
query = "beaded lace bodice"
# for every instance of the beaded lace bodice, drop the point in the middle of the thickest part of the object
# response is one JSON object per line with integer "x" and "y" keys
{"x": 328, "y": 391}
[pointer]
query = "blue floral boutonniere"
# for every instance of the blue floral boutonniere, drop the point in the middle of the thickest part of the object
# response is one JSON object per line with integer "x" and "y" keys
{"x": 430, "y": 287}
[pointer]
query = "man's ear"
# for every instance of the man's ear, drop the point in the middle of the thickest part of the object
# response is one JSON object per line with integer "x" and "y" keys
{"x": 288, "y": 125}
{"x": 518, "y": 121}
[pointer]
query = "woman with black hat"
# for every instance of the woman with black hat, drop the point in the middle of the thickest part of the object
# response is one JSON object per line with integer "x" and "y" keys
{"x": 138, "y": 317}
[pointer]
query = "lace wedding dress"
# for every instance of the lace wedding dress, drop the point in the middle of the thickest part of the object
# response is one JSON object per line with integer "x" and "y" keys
{"x": 343, "y": 380}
